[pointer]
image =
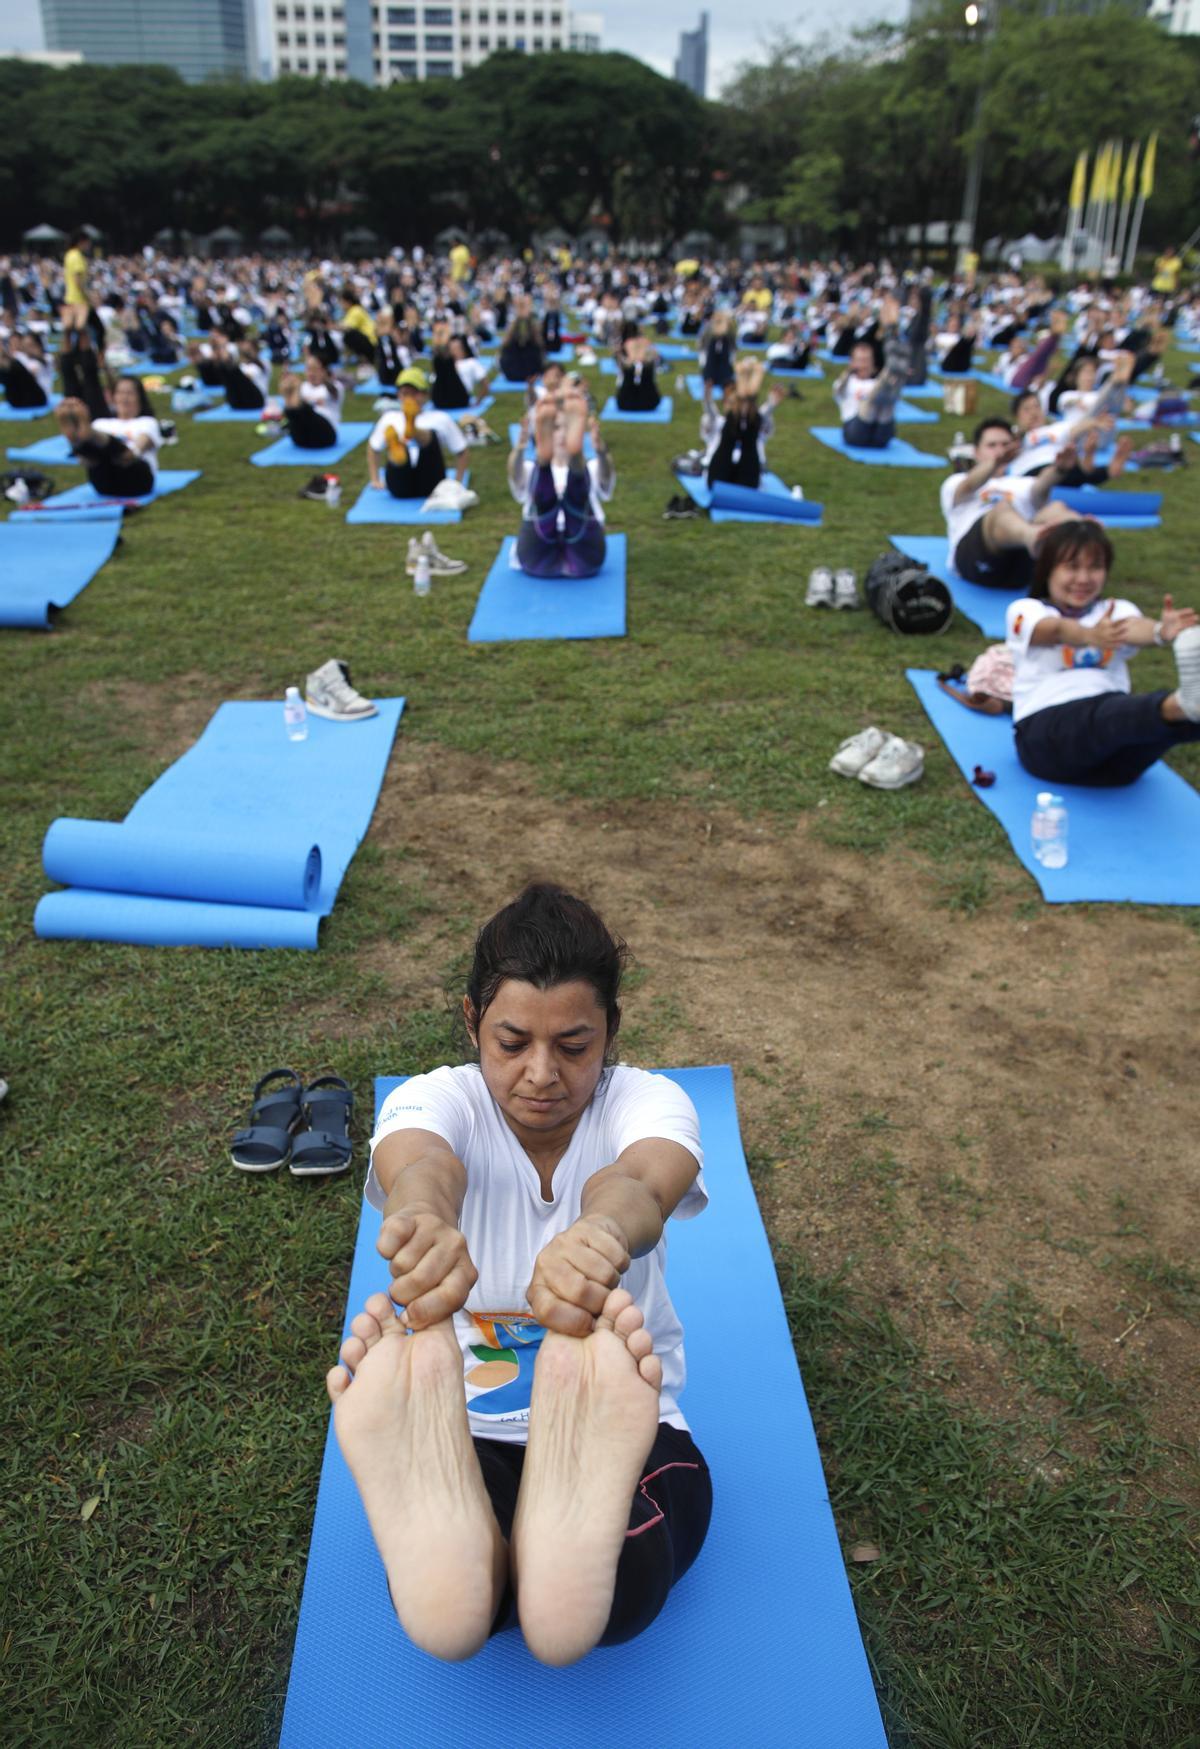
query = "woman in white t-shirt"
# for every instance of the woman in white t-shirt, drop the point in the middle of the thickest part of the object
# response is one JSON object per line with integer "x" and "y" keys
{"x": 118, "y": 445}
{"x": 409, "y": 440}
{"x": 515, "y": 1433}
{"x": 312, "y": 405}
{"x": 1075, "y": 718}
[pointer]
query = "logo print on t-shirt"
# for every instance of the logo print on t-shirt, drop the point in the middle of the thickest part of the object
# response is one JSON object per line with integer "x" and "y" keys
{"x": 1085, "y": 657}
{"x": 502, "y": 1381}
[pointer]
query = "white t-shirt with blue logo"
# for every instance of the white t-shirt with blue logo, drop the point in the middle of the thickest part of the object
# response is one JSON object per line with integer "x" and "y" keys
{"x": 506, "y": 1222}
{"x": 1050, "y": 674}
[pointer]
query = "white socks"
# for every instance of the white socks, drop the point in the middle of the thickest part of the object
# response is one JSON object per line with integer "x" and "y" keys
{"x": 1187, "y": 663}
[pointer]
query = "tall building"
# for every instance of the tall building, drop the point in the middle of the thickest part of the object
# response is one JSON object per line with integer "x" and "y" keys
{"x": 202, "y": 39}
{"x": 377, "y": 41}
{"x": 1179, "y": 17}
{"x": 691, "y": 63}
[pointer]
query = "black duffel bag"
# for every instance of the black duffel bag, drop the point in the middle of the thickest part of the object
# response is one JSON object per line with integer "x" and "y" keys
{"x": 906, "y": 597}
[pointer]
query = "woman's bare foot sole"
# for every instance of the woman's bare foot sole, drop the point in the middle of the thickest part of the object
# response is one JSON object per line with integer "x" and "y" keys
{"x": 401, "y": 1422}
{"x": 592, "y": 1420}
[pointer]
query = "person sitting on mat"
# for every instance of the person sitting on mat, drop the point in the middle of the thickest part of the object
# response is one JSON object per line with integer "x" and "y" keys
{"x": 312, "y": 405}
{"x": 522, "y": 355}
{"x": 1075, "y": 717}
{"x": 1041, "y": 441}
{"x": 238, "y": 370}
{"x": 955, "y": 345}
{"x": 736, "y": 450}
{"x": 390, "y": 356}
{"x": 995, "y": 519}
{"x": 358, "y": 329}
{"x": 562, "y": 522}
{"x": 26, "y": 374}
{"x": 866, "y": 399}
{"x": 118, "y": 446}
{"x": 791, "y": 351}
{"x": 515, "y": 1432}
{"x": 637, "y": 390}
{"x": 412, "y": 438}
{"x": 716, "y": 358}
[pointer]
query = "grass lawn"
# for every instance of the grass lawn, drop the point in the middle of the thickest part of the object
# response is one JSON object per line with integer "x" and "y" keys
{"x": 969, "y": 1121}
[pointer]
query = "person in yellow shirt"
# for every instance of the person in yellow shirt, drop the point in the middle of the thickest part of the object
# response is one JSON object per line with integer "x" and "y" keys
{"x": 460, "y": 263}
{"x": 75, "y": 306}
{"x": 1167, "y": 269}
{"x": 359, "y": 334}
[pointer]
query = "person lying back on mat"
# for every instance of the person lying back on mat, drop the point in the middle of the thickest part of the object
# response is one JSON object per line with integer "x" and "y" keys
{"x": 238, "y": 370}
{"x": 866, "y": 398}
{"x": 412, "y": 438}
{"x": 515, "y": 1433}
{"x": 994, "y": 519}
{"x": 561, "y": 494}
{"x": 955, "y": 344}
{"x": 312, "y": 405}
{"x": 1041, "y": 440}
{"x": 791, "y": 351}
{"x": 459, "y": 379}
{"x": 736, "y": 446}
{"x": 26, "y": 374}
{"x": 1075, "y": 717}
{"x": 119, "y": 448}
{"x": 637, "y": 390}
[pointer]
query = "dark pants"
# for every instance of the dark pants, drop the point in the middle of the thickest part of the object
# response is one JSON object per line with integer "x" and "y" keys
{"x": 21, "y": 387}
{"x": 735, "y": 459}
{"x": 958, "y": 359}
{"x": 80, "y": 373}
{"x": 578, "y": 550}
{"x": 416, "y": 479}
{"x": 309, "y": 429}
{"x": 241, "y": 393}
{"x": 868, "y": 434}
{"x": 356, "y": 343}
{"x": 1102, "y": 742}
{"x": 638, "y": 394}
{"x": 668, "y": 1522}
{"x": 112, "y": 468}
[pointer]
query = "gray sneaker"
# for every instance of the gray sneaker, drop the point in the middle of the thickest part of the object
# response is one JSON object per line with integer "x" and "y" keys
{"x": 328, "y": 693}
{"x": 440, "y": 564}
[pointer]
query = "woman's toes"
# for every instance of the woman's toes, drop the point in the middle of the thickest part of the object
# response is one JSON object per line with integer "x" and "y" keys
{"x": 381, "y": 1309}
{"x": 337, "y": 1380}
{"x": 619, "y": 1300}
{"x": 640, "y": 1343}
{"x": 352, "y": 1352}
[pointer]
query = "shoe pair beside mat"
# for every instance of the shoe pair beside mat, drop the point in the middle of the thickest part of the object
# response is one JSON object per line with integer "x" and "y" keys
{"x": 881, "y": 760}
{"x": 828, "y": 588}
{"x": 304, "y": 1128}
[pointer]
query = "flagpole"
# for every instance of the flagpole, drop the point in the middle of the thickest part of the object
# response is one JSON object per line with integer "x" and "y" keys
{"x": 1114, "y": 184}
{"x": 1136, "y": 232}
{"x": 1127, "y": 201}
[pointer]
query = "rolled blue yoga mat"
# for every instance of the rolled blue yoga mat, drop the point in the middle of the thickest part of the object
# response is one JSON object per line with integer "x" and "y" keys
{"x": 1109, "y": 505}
{"x": 227, "y": 868}
{"x": 777, "y": 505}
{"x": 263, "y": 802}
{"x": 757, "y": 1644}
{"x": 1139, "y": 843}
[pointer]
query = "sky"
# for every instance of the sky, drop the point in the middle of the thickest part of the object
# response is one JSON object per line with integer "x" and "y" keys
{"x": 737, "y": 31}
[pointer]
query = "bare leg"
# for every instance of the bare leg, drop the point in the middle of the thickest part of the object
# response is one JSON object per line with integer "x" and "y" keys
{"x": 401, "y": 1422}
{"x": 1005, "y": 527}
{"x": 592, "y": 1420}
{"x": 575, "y": 422}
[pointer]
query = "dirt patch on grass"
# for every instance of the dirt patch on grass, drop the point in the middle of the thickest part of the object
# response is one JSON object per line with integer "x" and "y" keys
{"x": 947, "y": 1104}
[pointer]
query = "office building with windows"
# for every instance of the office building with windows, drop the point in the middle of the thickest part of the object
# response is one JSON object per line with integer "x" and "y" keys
{"x": 201, "y": 39}
{"x": 691, "y": 63}
{"x": 379, "y": 41}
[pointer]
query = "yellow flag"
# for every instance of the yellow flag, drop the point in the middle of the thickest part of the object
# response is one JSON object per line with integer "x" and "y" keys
{"x": 1114, "y": 171}
{"x": 1151, "y": 153}
{"x": 1099, "y": 175}
{"x": 1131, "y": 172}
{"x": 1079, "y": 183}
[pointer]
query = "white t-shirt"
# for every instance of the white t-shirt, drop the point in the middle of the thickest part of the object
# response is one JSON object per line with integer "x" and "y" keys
{"x": 323, "y": 400}
{"x": 471, "y": 372}
{"x": 128, "y": 429}
{"x": 506, "y": 1222}
{"x": 1050, "y": 674}
{"x": 852, "y": 394}
{"x": 1040, "y": 446}
{"x": 445, "y": 429}
{"x": 1001, "y": 488}
{"x": 256, "y": 373}
{"x": 40, "y": 369}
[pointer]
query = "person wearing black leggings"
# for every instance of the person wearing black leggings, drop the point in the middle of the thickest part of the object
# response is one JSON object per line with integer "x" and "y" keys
{"x": 562, "y": 522}
{"x": 238, "y": 370}
{"x": 637, "y": 390}
{"x": 410, "y": 440}
{"x": 118, "y": 445}
{"x": 737, "y": 444}
{"x": 312, "y": 406}
{"x": 26, "y": 374}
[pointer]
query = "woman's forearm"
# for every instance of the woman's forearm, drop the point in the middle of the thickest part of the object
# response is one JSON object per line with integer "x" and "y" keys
{"x": 625, "y": 1205}
{"x": 436, "y": 1185}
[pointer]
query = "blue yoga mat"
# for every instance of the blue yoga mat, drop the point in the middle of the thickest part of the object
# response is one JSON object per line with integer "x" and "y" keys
{"x": 1126, "y": 509}
{"x": 44, "y": 564}
{"x": 660, "y": 416}
{"x": 261, "y": 803}
{"x": 924, "y": 391}
{"x": 283, "y": 453}
{"x": 772, "y": 502}
{"x": 506, "y": 386}
{"x": 25, "y": 415}
{"x": 224, "y": 414}
{"x": 193, "y": 400}
{"x": 1140, "y": 843}
{"x": 85, "y": 496}
{"x": 373, "y": 506}
{"x": 757, "y": 1644}
{"x": 898, "y": 454}
{"x": 987, "y": 607}
{"x": 49, "y": 451}
{"x": 514, "y": 606}
{"x": 814, "y": 373}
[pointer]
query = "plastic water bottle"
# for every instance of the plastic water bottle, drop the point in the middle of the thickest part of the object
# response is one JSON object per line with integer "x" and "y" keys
{"x": 960, "y": 437}
{"x": 295, "y": 715}
{"x": 333, "y": 491}
{"x": 797, "y": 492}
{"x": 18, "y": 492}
{"x": 422, "y": 576}
{"x": 1048, "y": 829}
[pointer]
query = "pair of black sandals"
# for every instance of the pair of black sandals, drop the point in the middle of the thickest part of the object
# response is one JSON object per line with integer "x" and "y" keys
{"x": 305, "y": 1128}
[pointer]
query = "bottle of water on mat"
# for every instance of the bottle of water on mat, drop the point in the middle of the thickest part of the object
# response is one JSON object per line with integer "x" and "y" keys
{"x": 422, "y": 575}
{"x": 295, "y": 715}
{"x": 1048, "y": 829}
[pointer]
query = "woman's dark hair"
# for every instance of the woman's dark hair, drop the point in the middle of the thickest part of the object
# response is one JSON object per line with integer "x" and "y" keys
{"x": 1019, "y": 400}
{"x": 547, "y": 937}
{"x": 145, "y": 410}
{"x": 1066, "y": 540}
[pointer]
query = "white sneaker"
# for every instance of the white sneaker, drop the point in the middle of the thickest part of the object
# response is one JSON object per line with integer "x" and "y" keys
{"x": 820, "y": 588}
{"x": 440, "y": 565}
{"x": 845, "y": 589}
{"x": 858, "y": 751}
{"x": 328, "y": 693}
{"x": 1187, "y": 666}
{"x": 452, "y": 494}
{"x": 897, "y": 763}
